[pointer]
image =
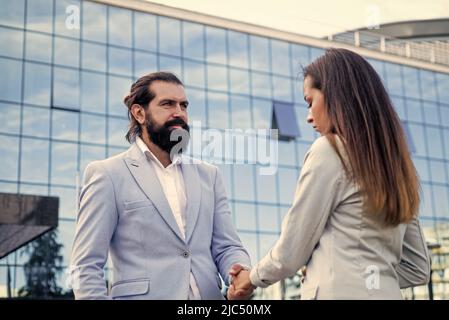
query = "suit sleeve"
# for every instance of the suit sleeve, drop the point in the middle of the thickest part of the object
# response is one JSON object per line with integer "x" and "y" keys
{"x": 314, "y": 200}
{"x": 414, "y": 267}
{"x": 96, "y": 222}
{"x": 226, "y": 247}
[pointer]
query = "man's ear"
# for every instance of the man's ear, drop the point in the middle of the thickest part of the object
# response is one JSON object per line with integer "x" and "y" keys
{"x": 138, "y": 113}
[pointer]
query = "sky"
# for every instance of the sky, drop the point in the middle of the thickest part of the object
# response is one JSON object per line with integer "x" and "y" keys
{"x": 317, "y": 18}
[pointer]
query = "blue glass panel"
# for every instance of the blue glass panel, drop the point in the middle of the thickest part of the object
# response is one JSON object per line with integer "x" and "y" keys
{"x": 67, "y": 52}
{"x": 36, "y": 122}
{"x": 94, "y": 21}
{"x": 394, "y": 78}
{"x": 34, "y": 160}
{"x": 10, "y": 118}
{"x": 145, "y": 31}
{"x": 280, "y": 57}
{"x": 411, "y": 82}
{"x": 64, "y": 163}
{"x": 194, "y": 74}
{"x": 93, "y": 92}
{"x": 37, "y": 84}
{"x": 217, "y": 78}
{"x": 239, "y": 81}
{"x": 282, "y": 89}
{"x": 434, "y": 142}
{"x": 119, "y": 27}
{"x": 238, "y": 49}
{"x": 67, "y": 18}
{"x": 94, "y": 56}
{"x": 66, "y": 88}
{"x": 218, "y": 110}
{"x": 93, "y": 128}
{"x": 438, "y": 171}
{"x": 40, "y": 15}
{"x": 443, "y": 87}
{"x": 144, "y": 63}
{"x": 120, "y": 61}
{"x": 262, "y": 112}
{"x": 286, "y": 119}
{"x": 169, "y": 36}
{"x": 287, "y": 184}
{"x": 14, "y": 39}
{"x": 266, "y": 189}
{"x": 216, "y": 45}
{"x": 197, "y": 106}
{"x": 117, "y": 129}
{"x": 10, "y": 81}
{"x": 428, "y": 88}
{"x": 38, "y": 47}
{"x": 243, "y": 182}
{"x": 245, "y": 216}
{"x": 118, "y": 88}
{"x": 241, "y": 112}
{"x": 300, "y": 58}
{"x": 259, "y": 54}
{"x": 193, "y": 40}
{"x": 12, "y": 13}
{"x": 89, "y": 154}
{"x": 9, "y": 153}
{"x": 65, "y": 125}
{"x": 260, "y": 85}
{"x": 170, "y": 64}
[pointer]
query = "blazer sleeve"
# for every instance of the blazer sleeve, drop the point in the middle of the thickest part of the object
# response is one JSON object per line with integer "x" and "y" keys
{"x": 96, "y": 222}
{"x": 314, "y": 200}
{"x": 226, "y": 248}
{"x": 414, "y": 267}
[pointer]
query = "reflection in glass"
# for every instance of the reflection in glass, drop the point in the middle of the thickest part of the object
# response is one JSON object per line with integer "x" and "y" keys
{"x": 94, "y": 56}
{"x": 218, "y": 110}
{"x": 118, "y": 88}
{"x": 93, "y": 128}
{"x": 193, "y": 40}
{"x": 194, "y": 74}
{"x": 411, "y": 82}
{"x": 12, "y": 13}
{"x": 14, "y": 39}
{"x": 238, "y": 49}
{"x": 244, "y": 182}
{"x": 268, "y": 218}
{"x": 260, "y": 85}
{"x": 67, "y": 202}
{"x": 89, "y": 154}
{"x": 443, "y": 87}
{"x": 67, "y": 52}
{"x": 9, "y": 153}
{"x": 241, "y": 112}
{"x": 38, "y": 47}
{"x": 40, "y": 15}
{"x": 169, "y": 36}
{"x": 145, "y": 31}
{"x": 428, "y": 85}
{"x": 36, "y": 122}
{"x": 63, "y": 163}
{"x": 425, "y": 205}
{"x": 430, "y": 111}
{"x": 245, "y": 216}
{"x": 37, "y": 84}
{"x": 414, "y": 110}
{"x": 170, "y": 64}
{"x": 144, "y": 63}
{"x": 300, "y": 58}
{"x": 280, "y": 65}
{"x": 259, "y": 59}
{"x": 266, "y": 188}
{"x": 10, "y": 81}
{"x": 120, "y": 61}
{"x": 239, "y": 81}
{"x": 10, "y": 118}
{"x": 266, "y": 242}
{"x": 217, "y": 78}
{"x": 287, "y": 153}
{"x": 262, "y": 112}
{"x": 117, "y": 129}
{"x": 65, "y": 125}
{"x": 119, "y": 26}
{"x": 441, "y": 200}
{"x": 417, "y": 133}
{"x": 66, "y": 88}
{"x": 197, "y": 106}
{"x": 93, "y": 19}
{"x": 422, "y": 168}
{"x": 434, "y": 143}
{"x": 438, "y": 171}
{"x": 216, "y": 45}
{"x": 282, "y": 88}
{"x": 34, "y": 160}
{"x": 93, "y": 92}
{"x": 394, "y": 78}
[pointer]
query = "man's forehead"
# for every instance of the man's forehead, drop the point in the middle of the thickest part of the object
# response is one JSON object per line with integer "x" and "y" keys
{"x": 168, "y": 90}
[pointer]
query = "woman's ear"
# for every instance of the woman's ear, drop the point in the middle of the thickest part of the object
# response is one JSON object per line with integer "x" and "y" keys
{"x": 138, "y": 113}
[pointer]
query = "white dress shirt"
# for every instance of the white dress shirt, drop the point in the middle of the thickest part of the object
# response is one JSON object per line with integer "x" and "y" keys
{"x": 172, "y": 182}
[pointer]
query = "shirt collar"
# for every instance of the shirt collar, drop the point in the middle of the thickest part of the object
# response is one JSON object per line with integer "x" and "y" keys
{"x": 147, "y": 152}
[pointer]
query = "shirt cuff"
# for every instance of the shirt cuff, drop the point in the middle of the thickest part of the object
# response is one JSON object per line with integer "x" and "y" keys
{"x": 256, "y": 280}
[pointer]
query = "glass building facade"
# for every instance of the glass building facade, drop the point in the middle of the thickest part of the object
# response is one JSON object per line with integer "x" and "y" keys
{"x": 61, "y": 92}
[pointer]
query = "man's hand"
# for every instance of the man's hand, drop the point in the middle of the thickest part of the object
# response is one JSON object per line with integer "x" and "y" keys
{"x": 241, "y": 287}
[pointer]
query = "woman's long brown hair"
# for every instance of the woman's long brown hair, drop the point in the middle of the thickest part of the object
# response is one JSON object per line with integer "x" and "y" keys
{"x": 362, "y": 115}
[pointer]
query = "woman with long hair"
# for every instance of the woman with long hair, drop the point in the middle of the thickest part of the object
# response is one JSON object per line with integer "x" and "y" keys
{"x": 353, "y": 222}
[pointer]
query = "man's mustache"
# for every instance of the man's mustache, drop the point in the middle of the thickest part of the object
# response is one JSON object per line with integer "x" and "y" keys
{"x": 175, "y": 122}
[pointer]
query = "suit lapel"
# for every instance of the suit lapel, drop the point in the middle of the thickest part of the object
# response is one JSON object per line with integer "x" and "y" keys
{"x": 147, "y": 179}
{"x": 193, "y": 193}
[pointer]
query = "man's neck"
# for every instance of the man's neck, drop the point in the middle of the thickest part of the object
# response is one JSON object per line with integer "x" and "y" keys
{"x": 161, "y": 155}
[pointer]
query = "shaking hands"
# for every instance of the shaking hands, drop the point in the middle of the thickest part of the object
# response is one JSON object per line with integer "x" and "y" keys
{"x": 241, "y": 287}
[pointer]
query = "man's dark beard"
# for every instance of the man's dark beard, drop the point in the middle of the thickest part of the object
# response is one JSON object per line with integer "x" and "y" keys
{"x": 161, "y": 136}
